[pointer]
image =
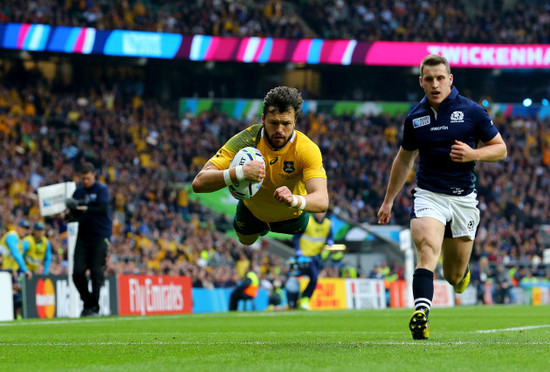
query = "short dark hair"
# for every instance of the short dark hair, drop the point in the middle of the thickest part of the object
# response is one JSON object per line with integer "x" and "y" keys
{"x": 283, "y": 98}
{"x": 434, "y": 60}
{"x": 87, "y": 168}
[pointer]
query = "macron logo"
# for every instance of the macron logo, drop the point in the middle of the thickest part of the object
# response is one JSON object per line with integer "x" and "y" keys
{"x": 420, "y": 122}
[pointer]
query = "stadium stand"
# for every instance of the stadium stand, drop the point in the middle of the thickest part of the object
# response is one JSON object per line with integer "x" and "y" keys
{"x": 450, "y": 21}
{"x": 47, "y": 129}
{"x": 159, "y": 230}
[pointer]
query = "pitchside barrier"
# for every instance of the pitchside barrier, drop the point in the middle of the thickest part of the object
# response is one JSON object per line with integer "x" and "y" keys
{"x": 47, "y": 296}
{"x": 6, "y": 297}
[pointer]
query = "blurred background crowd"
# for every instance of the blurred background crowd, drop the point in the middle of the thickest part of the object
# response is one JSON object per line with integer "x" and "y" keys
{"x": 147, "y": 155}
{"x": 494, "y": 21}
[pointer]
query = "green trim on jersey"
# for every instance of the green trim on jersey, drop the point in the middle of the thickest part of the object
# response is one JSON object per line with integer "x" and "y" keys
{"x": 249, "y": 137}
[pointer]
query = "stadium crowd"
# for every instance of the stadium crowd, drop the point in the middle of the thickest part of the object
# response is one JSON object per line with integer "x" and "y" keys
{"x": 146, "y": 155}
{"x": 450, "y": 21}
{"x": 209, "y": 17}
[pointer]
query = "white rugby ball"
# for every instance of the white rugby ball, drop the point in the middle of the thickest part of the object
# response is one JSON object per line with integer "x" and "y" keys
{"x": 245, "y": 189}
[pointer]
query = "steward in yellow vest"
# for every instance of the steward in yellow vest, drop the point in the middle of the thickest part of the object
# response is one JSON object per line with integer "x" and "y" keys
{"x": 37, "y": 249}
{"x": 308, "y": 247}
{"x": 12, "y": 249}
{"x": 247, "y": 290}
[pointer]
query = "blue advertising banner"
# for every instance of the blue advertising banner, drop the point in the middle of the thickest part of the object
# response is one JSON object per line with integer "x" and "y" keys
{"x": 217, "y": 301}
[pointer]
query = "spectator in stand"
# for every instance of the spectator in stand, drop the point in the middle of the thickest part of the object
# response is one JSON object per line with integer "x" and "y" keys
{"x": 501, "y": 286}
{"x": 487, "y": 22}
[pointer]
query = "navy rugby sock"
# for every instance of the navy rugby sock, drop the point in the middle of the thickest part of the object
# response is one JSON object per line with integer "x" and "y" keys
{"x": 423, "y": 289}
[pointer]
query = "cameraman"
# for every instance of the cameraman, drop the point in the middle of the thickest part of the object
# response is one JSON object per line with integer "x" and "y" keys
{"x": 90, "y": 207}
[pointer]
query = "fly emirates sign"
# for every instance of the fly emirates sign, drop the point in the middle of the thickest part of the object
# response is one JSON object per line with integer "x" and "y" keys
{"x": 146, "y": 295}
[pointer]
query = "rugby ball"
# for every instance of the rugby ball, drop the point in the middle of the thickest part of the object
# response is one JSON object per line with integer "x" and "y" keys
{"x": 245, "y": 189}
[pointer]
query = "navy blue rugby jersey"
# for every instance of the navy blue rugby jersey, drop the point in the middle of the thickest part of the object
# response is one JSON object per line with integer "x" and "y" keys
{"x": 433, "y": 135}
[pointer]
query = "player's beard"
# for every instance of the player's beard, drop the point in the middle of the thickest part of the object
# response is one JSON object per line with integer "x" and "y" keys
{"x": 273, "y": 146}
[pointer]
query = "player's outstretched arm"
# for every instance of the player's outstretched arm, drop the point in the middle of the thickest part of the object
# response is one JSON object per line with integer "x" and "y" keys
{"x": 210, "y": 178}
{"x": 400, "y": 170}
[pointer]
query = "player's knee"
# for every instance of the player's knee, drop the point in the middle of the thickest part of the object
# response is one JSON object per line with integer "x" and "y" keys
{"x": 453, "y": 278}
{"x": 248, "y": 239}
{"x": 427, "y": 257}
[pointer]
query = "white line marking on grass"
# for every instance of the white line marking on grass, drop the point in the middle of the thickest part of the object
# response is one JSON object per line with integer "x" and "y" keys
{"x": 513, "y": 329}
{"x": 262, "y": 343}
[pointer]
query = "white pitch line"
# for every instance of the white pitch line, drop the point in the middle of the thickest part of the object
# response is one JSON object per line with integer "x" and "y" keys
{"x": 513, "y": 329}
{"x": 262, "y": 343}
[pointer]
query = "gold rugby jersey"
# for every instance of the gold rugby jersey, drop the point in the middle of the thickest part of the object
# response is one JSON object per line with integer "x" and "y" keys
{"x": 290, "y": 166}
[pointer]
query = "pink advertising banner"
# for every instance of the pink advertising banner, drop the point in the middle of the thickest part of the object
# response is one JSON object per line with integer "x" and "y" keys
{"x": 460, "y": 55}
{"x": 37, "y": 37}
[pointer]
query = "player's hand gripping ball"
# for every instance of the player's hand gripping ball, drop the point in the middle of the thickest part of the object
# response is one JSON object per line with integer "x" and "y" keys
{"x": 245, "y": 189}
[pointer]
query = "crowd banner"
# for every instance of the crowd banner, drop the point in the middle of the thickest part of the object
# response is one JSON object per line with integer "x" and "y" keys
{"x": 365, "y": 294}
{"x": 6, "y": 297}
{"x": 330, "y": 294}
{"x": 47, "y": 296}
{"x": 154, "y": 295}
{"x": 51, "y": 198}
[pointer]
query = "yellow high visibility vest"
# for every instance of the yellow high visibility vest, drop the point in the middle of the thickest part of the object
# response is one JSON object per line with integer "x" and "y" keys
{"x": 314, "y": 238}
{"x": 36, "y": 253}
{"x": 8, "y": 262}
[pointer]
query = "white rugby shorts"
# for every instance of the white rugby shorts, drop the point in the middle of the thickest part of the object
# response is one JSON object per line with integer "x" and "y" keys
{"x": 459, "y": 214}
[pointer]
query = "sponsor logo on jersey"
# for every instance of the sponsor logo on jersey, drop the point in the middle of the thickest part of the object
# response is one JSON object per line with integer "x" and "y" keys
{"x": 443, "y": 127}
{"x": 420, "y": 122}
{"x": 288, "y": 166}
{"x": 457, "y": 117}
{"x": 457, "y": 190}
{"x": 272, "y": 161}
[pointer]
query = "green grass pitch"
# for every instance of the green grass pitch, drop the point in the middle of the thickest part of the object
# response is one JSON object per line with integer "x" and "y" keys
{"x": 491, "y": 338}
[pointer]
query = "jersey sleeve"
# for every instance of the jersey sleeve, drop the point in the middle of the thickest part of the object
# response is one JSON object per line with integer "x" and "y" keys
{"x": 313, "y": 162}
{"x": 48, "y": 258}
{"x": 103, "y": 196}
{"x": 26, "y": 246}
{"x": 12, "y": 242}
{"x": 486, "y": 129}
{"x": 408, "y": 140}
{"x": 248, "y": 137}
